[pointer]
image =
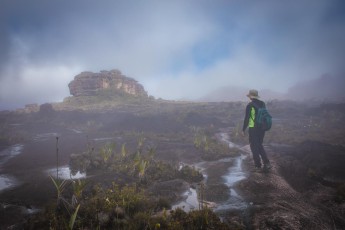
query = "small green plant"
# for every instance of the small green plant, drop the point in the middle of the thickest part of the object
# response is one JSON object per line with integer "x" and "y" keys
{"x": 57, "y": 157}
{"x": 60, "y": 186}
{"x": 210, "y": 148}
{"x": 106, "y": 152}
{"x": 142, "y": 168}
{"x": 123, "y": 150}
{"x": 73, "y": 218}
{"x": 78, "y": 188}
{"x": 201, "y": 195}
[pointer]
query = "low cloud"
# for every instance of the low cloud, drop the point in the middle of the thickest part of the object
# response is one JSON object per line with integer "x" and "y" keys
{"x": 176, "y": 49}
{"x": 42, "y": 85}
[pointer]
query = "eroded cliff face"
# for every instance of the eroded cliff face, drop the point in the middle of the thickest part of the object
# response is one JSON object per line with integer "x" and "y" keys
{"x": 89, "y": 84}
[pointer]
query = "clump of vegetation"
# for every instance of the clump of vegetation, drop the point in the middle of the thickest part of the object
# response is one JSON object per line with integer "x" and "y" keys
{"x": 199, "y": 219}
{"x": 190, "y": 174}
{"x": 120, "y": 208}
{"x": 140, "y": 164}
{"x": 81, "y": 205}
{"x": 236, "y": 134}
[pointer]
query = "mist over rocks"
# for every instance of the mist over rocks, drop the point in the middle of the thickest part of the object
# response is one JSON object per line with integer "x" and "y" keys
{"x": 327, "y": 87}
{"x": 90, "y": 84}
{"x": 235, "y": 93}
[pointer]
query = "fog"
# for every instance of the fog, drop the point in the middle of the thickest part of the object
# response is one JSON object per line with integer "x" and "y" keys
{"x": 175, "y": 49}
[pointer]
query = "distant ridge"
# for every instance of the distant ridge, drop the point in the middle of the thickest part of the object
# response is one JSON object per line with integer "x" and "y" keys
{"x": 325, "y": 88}
{"x": 234, "y": 93}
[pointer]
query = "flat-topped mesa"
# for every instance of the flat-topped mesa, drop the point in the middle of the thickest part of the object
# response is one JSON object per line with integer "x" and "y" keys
{"x": 90, "y": 84}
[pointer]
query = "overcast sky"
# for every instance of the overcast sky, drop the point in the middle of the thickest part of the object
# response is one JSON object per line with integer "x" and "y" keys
{"x": 175, "y": 49}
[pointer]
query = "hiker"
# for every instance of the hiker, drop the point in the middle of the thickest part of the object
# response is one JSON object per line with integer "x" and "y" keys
{"x": 256, "y": 134}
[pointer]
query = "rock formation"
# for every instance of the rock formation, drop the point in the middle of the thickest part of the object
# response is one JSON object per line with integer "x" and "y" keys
{"x": 89, "y": 84}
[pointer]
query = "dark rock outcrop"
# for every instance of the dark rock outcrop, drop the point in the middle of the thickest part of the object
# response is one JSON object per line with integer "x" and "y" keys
{"x": 89, "y": 84}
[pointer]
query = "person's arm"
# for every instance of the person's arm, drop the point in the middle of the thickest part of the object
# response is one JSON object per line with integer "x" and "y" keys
{"x": 246, "y": 118}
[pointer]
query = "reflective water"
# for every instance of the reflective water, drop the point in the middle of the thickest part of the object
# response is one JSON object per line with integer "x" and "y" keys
{"x": 7, "y": 181}
{"x": 234, "y": 175}
{"x": 76, "y": 131}
{"x": 65, "y": 173}
{"x": 44, "y": 136}
{"x": 9, "y": 153}
{"x": 190, "y": 203}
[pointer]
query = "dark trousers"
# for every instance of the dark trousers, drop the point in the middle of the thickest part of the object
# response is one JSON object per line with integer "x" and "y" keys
{"x": 256, "y": 138}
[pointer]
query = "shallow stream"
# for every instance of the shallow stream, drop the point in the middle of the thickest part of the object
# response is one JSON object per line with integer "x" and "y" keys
{"x": 233, "y": 175}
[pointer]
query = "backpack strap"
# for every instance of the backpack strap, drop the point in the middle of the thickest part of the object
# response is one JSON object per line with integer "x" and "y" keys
{"x": 257, "y": 106}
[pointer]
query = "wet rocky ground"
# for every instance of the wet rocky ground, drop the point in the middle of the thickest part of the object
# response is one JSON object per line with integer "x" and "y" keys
{"x": 33, "y": 162}
{"x": 45, "y": 146}
{"x": 304, "y": 190}
{"x": 291, "y": 196}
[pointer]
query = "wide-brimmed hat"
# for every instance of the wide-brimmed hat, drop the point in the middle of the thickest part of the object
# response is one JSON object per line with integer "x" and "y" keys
{"x": 253, "y": 93}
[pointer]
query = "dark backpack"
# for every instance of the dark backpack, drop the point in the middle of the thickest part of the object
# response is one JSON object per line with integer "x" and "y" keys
{"x": 263, "y": 118}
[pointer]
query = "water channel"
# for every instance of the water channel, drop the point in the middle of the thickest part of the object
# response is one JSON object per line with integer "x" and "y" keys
{"x": 234, "y": 174}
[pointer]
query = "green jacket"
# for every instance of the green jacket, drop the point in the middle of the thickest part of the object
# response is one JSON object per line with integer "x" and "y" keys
{"x": 251, "y": 111}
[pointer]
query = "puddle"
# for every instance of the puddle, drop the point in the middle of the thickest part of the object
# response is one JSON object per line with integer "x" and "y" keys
{"x": 65, "y": 173}
{"x": 45, "y": 136}
{"x": 6, "y": 182}
{"x": 26, "y": 210}
{"x": 234, "y": 174}
{"x": 10, "y": 152}
{"x": 76, "y": 131}
{"x": 32, "y": 210}
{"x": 225, "y": 138}
{"x": 190, "y": 203}
{"x": 103, "y": 139}
{"x": 235, "y": 202}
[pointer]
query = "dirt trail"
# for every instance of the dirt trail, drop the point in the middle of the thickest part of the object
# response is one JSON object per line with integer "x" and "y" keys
{"x": 274, "y": 204}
